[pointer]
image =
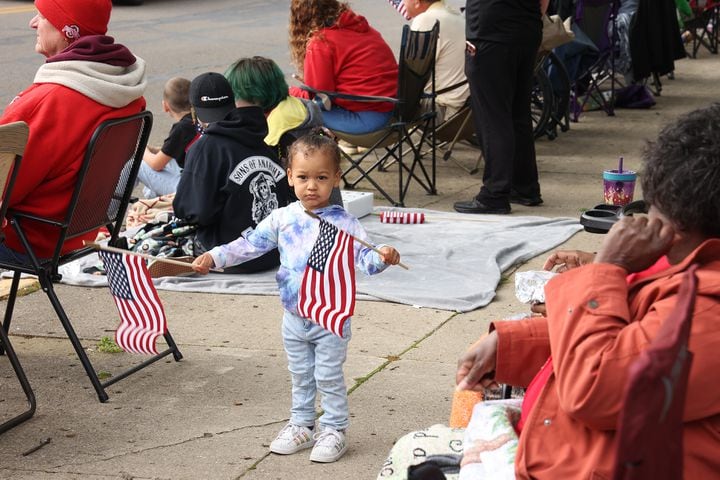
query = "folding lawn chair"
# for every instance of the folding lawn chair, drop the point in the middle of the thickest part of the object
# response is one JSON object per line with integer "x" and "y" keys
{"x": 703, "y": 27}
{"x": 596, "y": 18}
{"x": 103, "y": 188}
{"x": 649, "y": 442}
{"x": 416, "y": 69}
{"x": 13, "y": 138}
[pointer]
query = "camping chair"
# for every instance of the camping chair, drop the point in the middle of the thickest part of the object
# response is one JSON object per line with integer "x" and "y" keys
{"x": 13, "y": 138}
{"x": 649, "y": 442}
{"x": 416, "y": 70}
{"x": 103, "y": 188}
{"x": 703, "y": 27}
{"x": 595, "y": 18}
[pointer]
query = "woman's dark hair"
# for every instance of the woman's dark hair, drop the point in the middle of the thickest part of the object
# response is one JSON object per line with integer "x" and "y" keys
{"x": 318, "y": 139}
{"x": 681, "y": 171}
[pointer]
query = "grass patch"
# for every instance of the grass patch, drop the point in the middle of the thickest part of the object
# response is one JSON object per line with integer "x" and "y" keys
{"x": 108, "y": 345}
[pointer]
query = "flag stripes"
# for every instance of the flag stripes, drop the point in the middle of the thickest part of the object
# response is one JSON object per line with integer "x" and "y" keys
{"x": 327, "y": 291}
{"x": 402, "y": 217}
{"x": 141, "y": 313}
{"x": 399, "y": 5}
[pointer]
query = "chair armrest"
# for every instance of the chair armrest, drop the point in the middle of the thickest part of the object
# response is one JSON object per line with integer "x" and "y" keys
{"x": 16, "y": 214}
{"x": 347, "y": 96}
{"x": 450, "y": 88}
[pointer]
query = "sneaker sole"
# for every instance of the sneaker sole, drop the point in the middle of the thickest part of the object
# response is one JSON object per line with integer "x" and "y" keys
{"x": 332, "y": 459}
{"x": 280, "y": 451}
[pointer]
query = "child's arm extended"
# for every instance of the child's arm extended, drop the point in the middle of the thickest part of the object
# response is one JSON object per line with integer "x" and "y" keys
{"x": 259, "y": 241}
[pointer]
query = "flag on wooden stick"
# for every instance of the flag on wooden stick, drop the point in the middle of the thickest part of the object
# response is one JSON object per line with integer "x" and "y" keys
{"x": 327, "y": 292}
{"x": 399, "y": 5}
{"x": 142, "y": 317}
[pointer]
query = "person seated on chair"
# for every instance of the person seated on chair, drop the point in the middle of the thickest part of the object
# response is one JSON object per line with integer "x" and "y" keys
{"x": 232, "y": 179}
{"x": 450, "y": 54}
{"x": 86, "y": 79}
{"x": 603, "y": 311}
{"x": 338, "y": 51}
{"x": 161, "y": 167}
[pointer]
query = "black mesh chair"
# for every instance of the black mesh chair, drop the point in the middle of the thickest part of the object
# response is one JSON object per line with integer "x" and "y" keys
{"x": 13, "y": 138}
{"x": 103, "y": 189}
{"x": 389, "y": 144}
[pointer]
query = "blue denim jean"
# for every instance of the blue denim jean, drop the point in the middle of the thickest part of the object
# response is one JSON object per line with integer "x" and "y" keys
{"x": 11, "y": 256}
{"x": 315, "y": 360}
{"x": 159, "y": 183}
{"x": 354, "y": 122}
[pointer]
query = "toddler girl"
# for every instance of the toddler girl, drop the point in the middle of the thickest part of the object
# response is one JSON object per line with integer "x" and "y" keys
{"x": 315, "y": 355}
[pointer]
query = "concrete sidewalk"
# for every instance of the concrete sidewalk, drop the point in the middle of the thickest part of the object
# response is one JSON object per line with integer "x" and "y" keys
{"x": 214, "y": 414}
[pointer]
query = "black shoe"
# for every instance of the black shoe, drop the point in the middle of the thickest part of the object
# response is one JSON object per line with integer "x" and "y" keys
{"x": 476, "y": 206}
{"x": 527, "y": 201}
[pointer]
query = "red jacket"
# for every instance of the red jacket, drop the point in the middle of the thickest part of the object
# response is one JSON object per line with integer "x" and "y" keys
{"x": 596, "y": 326}
{"x": 61, "y": 123}
{"x": 62, "y": 120}
{"x": 351, "y": 57}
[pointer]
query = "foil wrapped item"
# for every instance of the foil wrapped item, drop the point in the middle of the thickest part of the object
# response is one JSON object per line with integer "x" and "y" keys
{"x": 530, "y": 285}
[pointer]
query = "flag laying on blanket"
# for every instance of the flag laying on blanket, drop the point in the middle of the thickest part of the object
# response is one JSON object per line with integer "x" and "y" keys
{"x": 400, "y": 7}
{"x": 141, "y": 313}
{"x": 327, "y": 292}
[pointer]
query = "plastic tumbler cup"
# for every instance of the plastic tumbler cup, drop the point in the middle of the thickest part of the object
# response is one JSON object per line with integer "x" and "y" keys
{"x": 619, "y": 187}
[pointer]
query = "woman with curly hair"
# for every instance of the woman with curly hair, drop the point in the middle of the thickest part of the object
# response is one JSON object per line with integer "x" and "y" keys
{"x": 339, "y": 51}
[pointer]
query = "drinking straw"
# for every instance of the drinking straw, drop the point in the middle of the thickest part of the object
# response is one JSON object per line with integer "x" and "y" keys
{"x": 620, "y": 162}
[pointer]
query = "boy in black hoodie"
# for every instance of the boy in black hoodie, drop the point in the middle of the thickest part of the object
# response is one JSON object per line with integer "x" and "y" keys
{"x": 231, "y": 179}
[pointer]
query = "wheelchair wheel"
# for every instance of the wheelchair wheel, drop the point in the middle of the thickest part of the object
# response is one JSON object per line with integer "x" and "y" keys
{"x": 541, "y": 103}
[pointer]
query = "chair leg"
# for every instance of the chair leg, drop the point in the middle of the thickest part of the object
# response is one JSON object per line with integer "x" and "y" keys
{"x": 75, "y": 341}
{"x": 9, "y": 308}
{"x": 20, "y": 374}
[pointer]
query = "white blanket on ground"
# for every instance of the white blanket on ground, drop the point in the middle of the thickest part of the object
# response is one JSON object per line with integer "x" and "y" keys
{"x": 455, "y": 260}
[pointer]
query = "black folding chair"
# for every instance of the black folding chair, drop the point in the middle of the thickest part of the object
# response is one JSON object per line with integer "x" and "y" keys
{"x": 416, "y": 70}
{"x": 13, "y": 138}
{"x": 703, "y": 27}
{"x": 100, "y": 199}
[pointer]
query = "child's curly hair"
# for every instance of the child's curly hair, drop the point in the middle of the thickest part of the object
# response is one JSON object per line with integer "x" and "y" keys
{"x": 319, "y": 139}
{"x": 306, "y": 18}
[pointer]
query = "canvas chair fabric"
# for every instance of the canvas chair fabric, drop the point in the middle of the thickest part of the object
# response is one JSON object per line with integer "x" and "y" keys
{"x": 13, "y": 138}
{"x": 103, "y": 189}
{"x": 596, "y": 19}
{"x": 650, "y": 425}
{"x": 394, "y": 140}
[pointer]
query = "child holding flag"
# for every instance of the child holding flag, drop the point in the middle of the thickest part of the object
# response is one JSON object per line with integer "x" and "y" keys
{"x": 317, "y": 290}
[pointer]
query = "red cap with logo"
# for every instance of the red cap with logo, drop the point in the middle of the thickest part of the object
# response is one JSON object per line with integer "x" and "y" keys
{"x": 77, "y": 18}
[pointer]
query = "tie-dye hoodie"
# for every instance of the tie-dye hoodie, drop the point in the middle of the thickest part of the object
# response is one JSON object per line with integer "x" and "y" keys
{"x": 294, "y": 232}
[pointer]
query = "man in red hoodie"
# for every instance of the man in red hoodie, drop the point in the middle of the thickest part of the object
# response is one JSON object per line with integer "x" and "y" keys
{"x": 86, "y": 79}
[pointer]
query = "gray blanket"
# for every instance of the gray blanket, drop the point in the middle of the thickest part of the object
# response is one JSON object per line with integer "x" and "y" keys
{"x": 455, "y": 260}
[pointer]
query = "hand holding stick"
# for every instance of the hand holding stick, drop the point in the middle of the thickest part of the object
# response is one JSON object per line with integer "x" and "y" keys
{"x": 97, "y": 246}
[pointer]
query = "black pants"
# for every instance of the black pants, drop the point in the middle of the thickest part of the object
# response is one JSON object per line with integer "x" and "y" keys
{"x": 501, "y": 79}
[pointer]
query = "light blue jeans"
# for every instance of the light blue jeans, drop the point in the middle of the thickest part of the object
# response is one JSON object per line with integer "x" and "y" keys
{"x": 159, "y": 183}
{"x": 315, "y": 360}
{"x": 354, "y": 122}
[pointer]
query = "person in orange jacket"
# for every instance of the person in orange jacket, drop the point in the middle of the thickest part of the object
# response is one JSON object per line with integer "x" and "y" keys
{"x": 605, "y": 309}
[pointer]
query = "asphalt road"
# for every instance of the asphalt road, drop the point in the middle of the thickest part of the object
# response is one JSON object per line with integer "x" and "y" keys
{"x": 177, "y": 38}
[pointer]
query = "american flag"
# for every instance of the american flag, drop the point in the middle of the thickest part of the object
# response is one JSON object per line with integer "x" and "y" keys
{"x": 141, "y": 313}
{"x": 400, "y": 7}
{"x": 327, "y": 293}
{"x": 402, "y": 217}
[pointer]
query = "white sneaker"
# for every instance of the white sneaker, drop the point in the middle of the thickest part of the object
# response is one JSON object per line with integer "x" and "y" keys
{"x": 329, "y": 446}
{"x": 291, "y": 439}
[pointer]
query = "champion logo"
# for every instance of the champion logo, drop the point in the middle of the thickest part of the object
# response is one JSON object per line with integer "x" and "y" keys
{"x": 205, "y": 98}
{"x": 71, "y": 31}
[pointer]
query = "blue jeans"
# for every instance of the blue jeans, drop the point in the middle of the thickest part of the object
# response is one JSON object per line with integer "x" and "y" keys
{"x": 159, "y": 183}
{"x": 315, "y": 360}
{"x": 354, "y": 122}
{"x": 11, "y": 256}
